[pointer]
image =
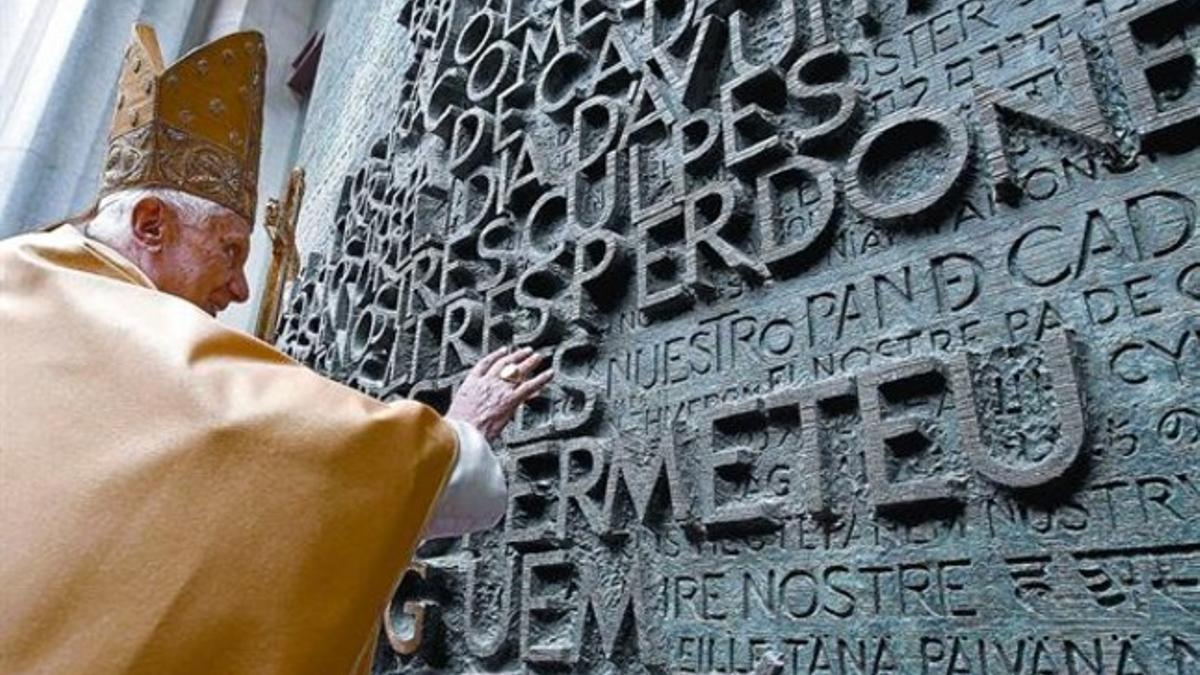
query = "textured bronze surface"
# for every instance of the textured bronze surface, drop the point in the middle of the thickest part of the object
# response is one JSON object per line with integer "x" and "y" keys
{"x": 877, "y": 327}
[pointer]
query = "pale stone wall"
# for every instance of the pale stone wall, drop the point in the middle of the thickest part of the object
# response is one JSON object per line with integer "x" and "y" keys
{"x": 354, "y": 102}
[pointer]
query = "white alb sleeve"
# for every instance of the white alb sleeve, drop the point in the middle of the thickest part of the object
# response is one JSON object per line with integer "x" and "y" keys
{"x": 476, "y": 495}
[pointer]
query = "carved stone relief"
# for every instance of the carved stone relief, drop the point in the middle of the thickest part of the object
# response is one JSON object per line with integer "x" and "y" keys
{"x": 877, "y": 327}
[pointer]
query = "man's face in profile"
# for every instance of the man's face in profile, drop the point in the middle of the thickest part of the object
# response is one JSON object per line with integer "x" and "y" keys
{"x": 200, "y": 262}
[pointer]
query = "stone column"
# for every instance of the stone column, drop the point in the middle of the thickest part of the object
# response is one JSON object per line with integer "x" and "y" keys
{"x": 58, "y": 93}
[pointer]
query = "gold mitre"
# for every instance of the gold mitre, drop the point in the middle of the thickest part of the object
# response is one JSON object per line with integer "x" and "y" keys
{"x": 194, "y": 126}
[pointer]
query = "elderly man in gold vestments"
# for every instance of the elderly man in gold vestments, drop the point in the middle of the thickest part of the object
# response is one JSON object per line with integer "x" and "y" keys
{"x": 178, "y": 497}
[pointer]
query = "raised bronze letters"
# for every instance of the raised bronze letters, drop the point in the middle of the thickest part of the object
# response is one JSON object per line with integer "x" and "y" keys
{"x": 877, "y": 327}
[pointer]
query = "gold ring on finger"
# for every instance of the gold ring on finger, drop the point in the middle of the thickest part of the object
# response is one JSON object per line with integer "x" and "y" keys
{"x": 512, "y": 374}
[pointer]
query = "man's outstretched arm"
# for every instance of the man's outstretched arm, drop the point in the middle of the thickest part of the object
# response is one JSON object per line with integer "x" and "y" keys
{"x": 475, "y": 495}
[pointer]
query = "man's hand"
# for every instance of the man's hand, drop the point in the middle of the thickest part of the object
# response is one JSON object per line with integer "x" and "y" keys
{"x": 487, "y": 401}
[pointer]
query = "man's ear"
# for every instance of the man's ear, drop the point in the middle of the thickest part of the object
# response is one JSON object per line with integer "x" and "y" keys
{"x": 148, "y": 223}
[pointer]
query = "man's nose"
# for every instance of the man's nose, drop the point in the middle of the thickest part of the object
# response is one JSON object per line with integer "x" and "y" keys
{"x": 239, "y": 288}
